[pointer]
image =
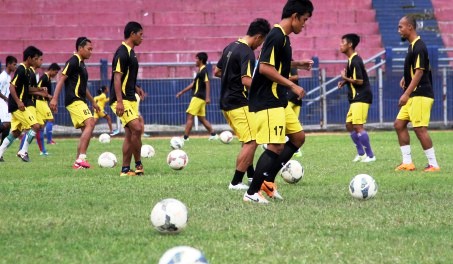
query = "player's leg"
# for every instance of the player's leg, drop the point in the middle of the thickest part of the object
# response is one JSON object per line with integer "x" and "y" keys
{"x": 242, "y": 123}
{"x": 420, "y": 116}
{"x": 355, "y": 138}
{"x": 82, "y": 118}
{"x": 109, "y": 123}
{"x": 135, "y": 128}
{"x": 188, "y": 128}
{"x": 400, "y": 125}
{"x": 127, "y": 154}
{"x": 359, "y": 117}
{"x": 49, "y": 131}
{"x": 270, "y": 130}
{"x": 16, "y": 128}
{"x": 208, "y": 126}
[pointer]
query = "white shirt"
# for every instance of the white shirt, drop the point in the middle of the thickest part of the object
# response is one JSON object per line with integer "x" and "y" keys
{"x": 5, "y": 80}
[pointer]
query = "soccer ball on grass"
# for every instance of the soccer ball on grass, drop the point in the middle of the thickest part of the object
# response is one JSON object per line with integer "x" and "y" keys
{"x": 363, "y": 187}
{"x": 147, "y": 151}
{"x": 169, "y": 216}
{"x": 177, "y": 159}
{"x": 107, "y": 160}
{"x": 226, "y": 137}
{"x": 292, "y": 172}
{"x": 104, "y": 138}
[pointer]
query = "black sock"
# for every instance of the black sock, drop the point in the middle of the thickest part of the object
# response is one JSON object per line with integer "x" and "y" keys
{"x": 186, "y": 136}
{"x": 250, "y": 171}
{"x": 213, "y": 134}
{"x": 125, "y": 168}
{"x": 263, "y": 167}
{"x": 138, "y": 163}
{"x": 283, "y": 158}
{"x": 237, "y": 178}
{"x": 5, "y": 133}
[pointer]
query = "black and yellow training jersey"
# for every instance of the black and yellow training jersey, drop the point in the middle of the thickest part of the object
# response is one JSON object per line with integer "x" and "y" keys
{"x": 45, "y": 81}
{"x": 292, "y": 97}
{"x": 417, "y": 58}
{"x": 21, "y": 82}
{"x": 276, "y": 51}
{"x": 199, "y": 83}
{"x": 237, "y": 61}
{"x": 77, "y": 81}
{"x": 356, "y": 71}
{"x": 126, "y": 63}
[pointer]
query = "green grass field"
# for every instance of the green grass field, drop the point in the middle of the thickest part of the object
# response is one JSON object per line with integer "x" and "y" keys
{"x": 50, "y": 213}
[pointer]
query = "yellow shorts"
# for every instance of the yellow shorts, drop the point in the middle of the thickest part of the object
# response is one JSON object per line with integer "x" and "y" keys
{"x": 99, "y": 114}
{"x": 22, "y": 120}
{"x": 130, "y": 111}
{"x": 197, "y": 107}
{"x": 43, "y": 111}
{"x": 242, "y": 122}
{"x": 296, "y": 108}
{"x": 358, "y": 113}
{"x": 272, "y": 125}
{"x": 79, "y": 112}
{"x": 417, "y": 110}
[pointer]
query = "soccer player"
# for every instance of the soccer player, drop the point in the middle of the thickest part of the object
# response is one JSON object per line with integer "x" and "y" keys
{"x": 235, "y": 67}
{"x": 5, "y": 79}
{"x": 46, "y": 81}
{"x": 101, "y": 99}
{"x": 123, "y": 102}
{"x": 359, "y": 96}
{"x": 200, "y": 97}
{"x": 417, "y": 98}
{"x": 268, "y": 100}
{"x": 75, "y": 80}
{"x": 41, "y": 109}
{"x": 20, "y": 103}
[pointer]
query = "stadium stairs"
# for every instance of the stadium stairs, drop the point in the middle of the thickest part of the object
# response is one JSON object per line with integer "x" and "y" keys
{"x": 176, "y": 30}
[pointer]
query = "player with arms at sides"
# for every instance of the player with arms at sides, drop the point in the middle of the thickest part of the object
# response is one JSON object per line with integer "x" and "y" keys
{"x": 201, "y": 91}
{"x": 46, "y": 81}
{"x": 101, "y": 99}
{"x": 74, "y": 77}
{"x": 123, "y": 102}
{"x": 21, "y": 105}
{"x": 5, "y": 79}
{"x": 41, "y": 108}
{"x": 417, "y": 99}
{"x": 235, "y": 67}
{"x": 268, "y": 100}
{"x": 359, "y": 96}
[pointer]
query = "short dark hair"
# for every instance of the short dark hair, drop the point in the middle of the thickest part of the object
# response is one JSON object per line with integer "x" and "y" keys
{"x": 54, "y": 66}
{"x": 102, "y": 89}
{"x": 203, "y": 56}
{"x": 10, "y": 60}
{"x": 301, "y": 7}
{"x": 131, "y": 27}
{"x": 352, "y": 38}
{"x": 259, "y": 26}
{"x": 411, "y": 20}
{"x": 31, "y": 51}
{"x": 81, "y": 42}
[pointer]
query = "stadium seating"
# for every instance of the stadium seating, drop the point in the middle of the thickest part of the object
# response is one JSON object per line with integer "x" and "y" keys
{"x": 176, "y": 30}
{"x": 442, "y": 12}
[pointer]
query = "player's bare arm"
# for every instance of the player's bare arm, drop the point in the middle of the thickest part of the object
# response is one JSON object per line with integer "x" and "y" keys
{"x": 217, "y": 72}
{"x": 246, "y": 81}
{"x": 402, "y": 83}
{"x": 141, "y": 93}
{"x": 415, "y": 80}
{"x": 184, "y": 90}
{"x": 272, "y": 74}
{"x": 53, "y": 103}
{"x": 303, "y": 64}
{"x": 350, "y": 80}
{"x": 208, "y": 92}
{"x": 119, "y": 94}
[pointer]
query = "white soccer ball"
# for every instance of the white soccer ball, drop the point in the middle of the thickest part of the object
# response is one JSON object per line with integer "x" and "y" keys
{"x": 292, "y": 172}
{"x": 104, "y": 138}
{"x": 183, "y": 255}
{"x": 226, "y": 137}
{"x": 176, "y": 143}
{"x": 107, "y": 160}
{"x": 177, "y": 159}
{"x": 363, "y": 187}
{"x": 169, "y": 216}
{"x": 147, "y": 151}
